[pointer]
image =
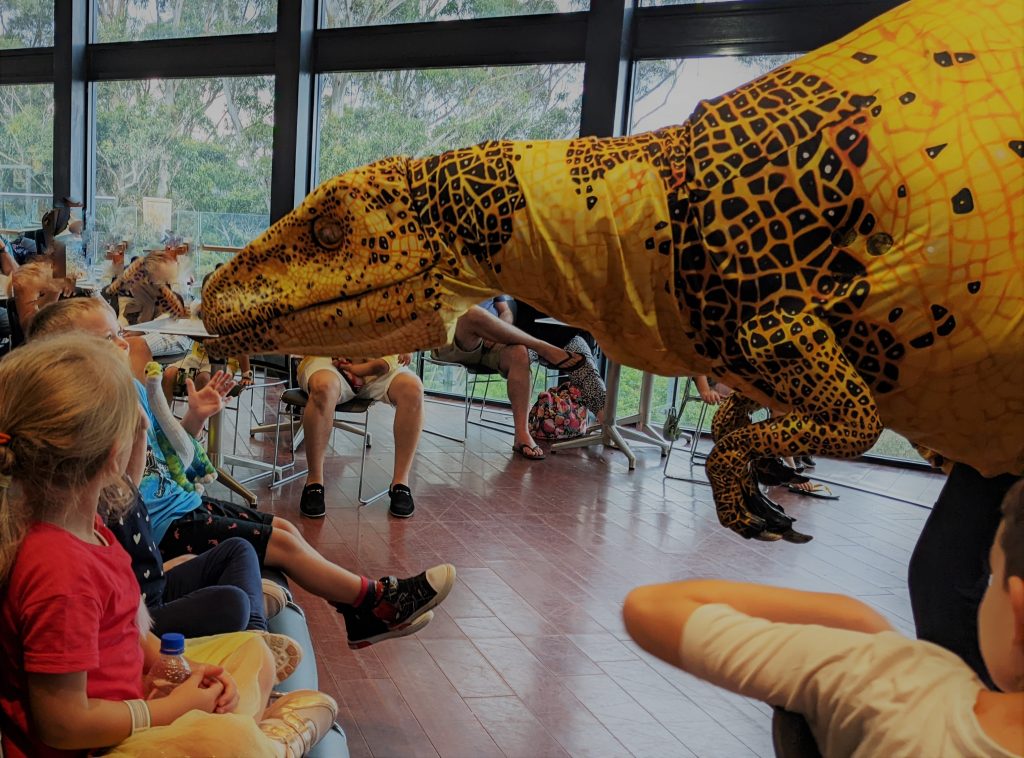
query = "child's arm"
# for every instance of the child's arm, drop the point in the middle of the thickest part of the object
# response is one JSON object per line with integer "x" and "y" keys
{"x": 8, "y": 265}
{"x": 656, "y": 615}
{"x": 65, "y": 718}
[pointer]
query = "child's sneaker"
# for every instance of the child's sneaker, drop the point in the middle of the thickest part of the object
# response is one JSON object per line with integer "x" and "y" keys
{"x": 299, "y": 720}
{"x": 396, "y": 607}
{"x": 287, "y": 654}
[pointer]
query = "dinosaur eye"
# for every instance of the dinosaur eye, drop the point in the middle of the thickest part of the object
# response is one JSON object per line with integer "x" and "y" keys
{"x": 328, "y": 232}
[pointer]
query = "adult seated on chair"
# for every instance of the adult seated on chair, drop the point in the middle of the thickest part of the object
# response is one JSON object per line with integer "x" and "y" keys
{"x": 485, "y": 338}
{"x": 865, "y": 689}
{"x": 185, "y": 522}
{"x": 329, "y": 381}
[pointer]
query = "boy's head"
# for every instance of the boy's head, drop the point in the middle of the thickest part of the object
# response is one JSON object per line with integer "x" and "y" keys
{"x": 81, "y": 314}
{"x": 1001, "y": 615}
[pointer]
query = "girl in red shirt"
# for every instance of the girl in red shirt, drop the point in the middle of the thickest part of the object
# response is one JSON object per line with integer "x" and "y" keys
{"x": 71, "y": 621}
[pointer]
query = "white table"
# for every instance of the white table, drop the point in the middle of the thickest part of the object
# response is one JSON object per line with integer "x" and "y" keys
{"x": 195, "y": 329}
{"x": 612, "y": 432}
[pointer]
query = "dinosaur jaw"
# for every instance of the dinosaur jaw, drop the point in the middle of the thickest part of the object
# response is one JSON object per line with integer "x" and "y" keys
{"x": 381, "y": 322}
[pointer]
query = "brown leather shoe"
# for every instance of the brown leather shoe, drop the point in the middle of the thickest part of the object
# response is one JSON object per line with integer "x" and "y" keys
{"x": 299, "y": 720}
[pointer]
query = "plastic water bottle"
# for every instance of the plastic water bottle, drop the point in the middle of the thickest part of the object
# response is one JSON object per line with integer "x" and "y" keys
{"x": 170, "y": 670}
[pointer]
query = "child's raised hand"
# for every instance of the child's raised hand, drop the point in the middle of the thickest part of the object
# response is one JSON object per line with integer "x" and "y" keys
{"x": 210, "y": 399}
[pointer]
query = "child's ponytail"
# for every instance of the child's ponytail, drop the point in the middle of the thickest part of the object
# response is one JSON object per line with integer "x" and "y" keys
{"x": 12, "y": 520}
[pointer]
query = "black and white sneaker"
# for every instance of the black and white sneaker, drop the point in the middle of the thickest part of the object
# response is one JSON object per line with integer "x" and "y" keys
{"x": 397, "y": 607}
{"x": 311, "y": 505}
{"x": 402, "y": 505}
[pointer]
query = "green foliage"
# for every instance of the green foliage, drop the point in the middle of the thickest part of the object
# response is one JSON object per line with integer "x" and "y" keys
{"x": 366, "y": 116}
{"x": 26, "y": 23}
{"x": 373, "y": 12}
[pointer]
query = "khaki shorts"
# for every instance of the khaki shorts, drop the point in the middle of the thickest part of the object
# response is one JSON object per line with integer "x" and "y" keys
{"x": 374, "y": 390}
{"x": 486, "y": 357}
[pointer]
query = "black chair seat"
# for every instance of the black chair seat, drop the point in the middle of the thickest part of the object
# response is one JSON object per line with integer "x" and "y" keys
{"x": 299, "y": 399}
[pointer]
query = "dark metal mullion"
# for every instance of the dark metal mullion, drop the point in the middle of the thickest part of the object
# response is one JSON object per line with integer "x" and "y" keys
{"x": 748, "y": 28}
{"x": 293, "y": 106}
{"x": 70, "y": 100}
{"x": 230, "y": 55}
{"x": 26, "y": 66}
{"x": 606, "y": 77}
{"x": 517, "y": 40}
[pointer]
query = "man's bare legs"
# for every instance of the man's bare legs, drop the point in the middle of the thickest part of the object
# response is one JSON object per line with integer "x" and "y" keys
{"x": 406, "y": 396}
{"x": 514, "y": 363}
{"x": 324, "y": 389}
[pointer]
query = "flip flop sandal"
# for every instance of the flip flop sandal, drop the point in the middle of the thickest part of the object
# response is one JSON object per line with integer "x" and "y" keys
{"x": 571, "y": 362}
{"x": 520, "y": 450}
{"x": 818, "y": 490}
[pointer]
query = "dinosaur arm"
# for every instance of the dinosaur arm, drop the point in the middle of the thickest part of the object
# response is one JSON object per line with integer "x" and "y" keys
{"x": 833, "y": 411}
{"x": 169, "y": 302}
{"x": 131, "y": 276}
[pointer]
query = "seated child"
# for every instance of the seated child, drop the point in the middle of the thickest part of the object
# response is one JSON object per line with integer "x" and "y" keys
{"x": 184, "y": 521}
{"x": 180, "y": 593}
{"x": 74, "y": 643}
{"x": 865, "y": 689}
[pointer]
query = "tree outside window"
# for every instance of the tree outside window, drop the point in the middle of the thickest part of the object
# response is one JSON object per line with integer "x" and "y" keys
{"x": 204, "y": 144}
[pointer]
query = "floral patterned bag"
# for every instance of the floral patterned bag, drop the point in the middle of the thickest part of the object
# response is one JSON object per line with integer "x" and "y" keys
{"x": 558, "y": 414}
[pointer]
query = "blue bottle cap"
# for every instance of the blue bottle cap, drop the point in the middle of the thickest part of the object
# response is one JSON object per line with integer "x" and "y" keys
{"x": 172, "y": 643}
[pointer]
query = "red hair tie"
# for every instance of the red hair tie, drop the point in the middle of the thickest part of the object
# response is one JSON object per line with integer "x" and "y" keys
{"x": 4, "y": 438}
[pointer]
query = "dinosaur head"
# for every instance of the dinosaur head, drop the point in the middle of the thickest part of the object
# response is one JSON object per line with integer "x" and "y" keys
{"x": 349, "y": 272}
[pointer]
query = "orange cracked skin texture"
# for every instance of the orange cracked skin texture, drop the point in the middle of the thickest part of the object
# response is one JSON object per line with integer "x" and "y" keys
{"x": 840, "y": 240}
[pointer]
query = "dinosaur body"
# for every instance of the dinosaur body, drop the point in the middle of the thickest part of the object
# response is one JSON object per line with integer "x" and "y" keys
{"x": 839, "y": 240}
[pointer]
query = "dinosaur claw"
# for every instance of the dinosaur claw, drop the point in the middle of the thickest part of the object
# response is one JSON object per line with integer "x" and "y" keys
{"x": 767, "y": 536}
{"x": 796, "y": 537}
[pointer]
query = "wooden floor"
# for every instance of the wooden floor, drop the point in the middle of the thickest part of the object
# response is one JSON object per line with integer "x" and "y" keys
{"x": 528, "y": 656}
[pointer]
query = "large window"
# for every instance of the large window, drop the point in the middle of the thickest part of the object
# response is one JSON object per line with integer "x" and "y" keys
{"x": 367, "y": 116}
{"x": 26, "y": 155}
{"x": 188, "y": 155}
{"x": 26, "y": 23}
{"x": 374, "y": 12}
{"x": 132, "y": 20}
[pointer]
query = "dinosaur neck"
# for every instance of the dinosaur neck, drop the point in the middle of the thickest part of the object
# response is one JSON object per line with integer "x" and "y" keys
{"x": 557, "y": 225}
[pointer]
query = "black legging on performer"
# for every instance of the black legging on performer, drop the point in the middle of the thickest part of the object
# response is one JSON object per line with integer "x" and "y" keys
{"x": 949, "y": 568}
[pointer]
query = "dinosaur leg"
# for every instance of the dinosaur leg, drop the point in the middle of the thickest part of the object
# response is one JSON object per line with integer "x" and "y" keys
{"x": 733, "y": 413}
{"x": 833, "y": 413}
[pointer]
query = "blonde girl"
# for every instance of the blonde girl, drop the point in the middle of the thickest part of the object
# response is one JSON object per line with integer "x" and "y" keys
{"x": 71, "y": 662}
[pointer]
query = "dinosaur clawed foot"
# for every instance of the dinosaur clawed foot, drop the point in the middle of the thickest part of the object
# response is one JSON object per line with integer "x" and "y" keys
{"x": 777, "y": 525}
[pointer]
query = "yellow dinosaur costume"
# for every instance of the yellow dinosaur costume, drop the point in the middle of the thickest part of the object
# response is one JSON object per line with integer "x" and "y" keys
{"x": 839, "y": 240}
